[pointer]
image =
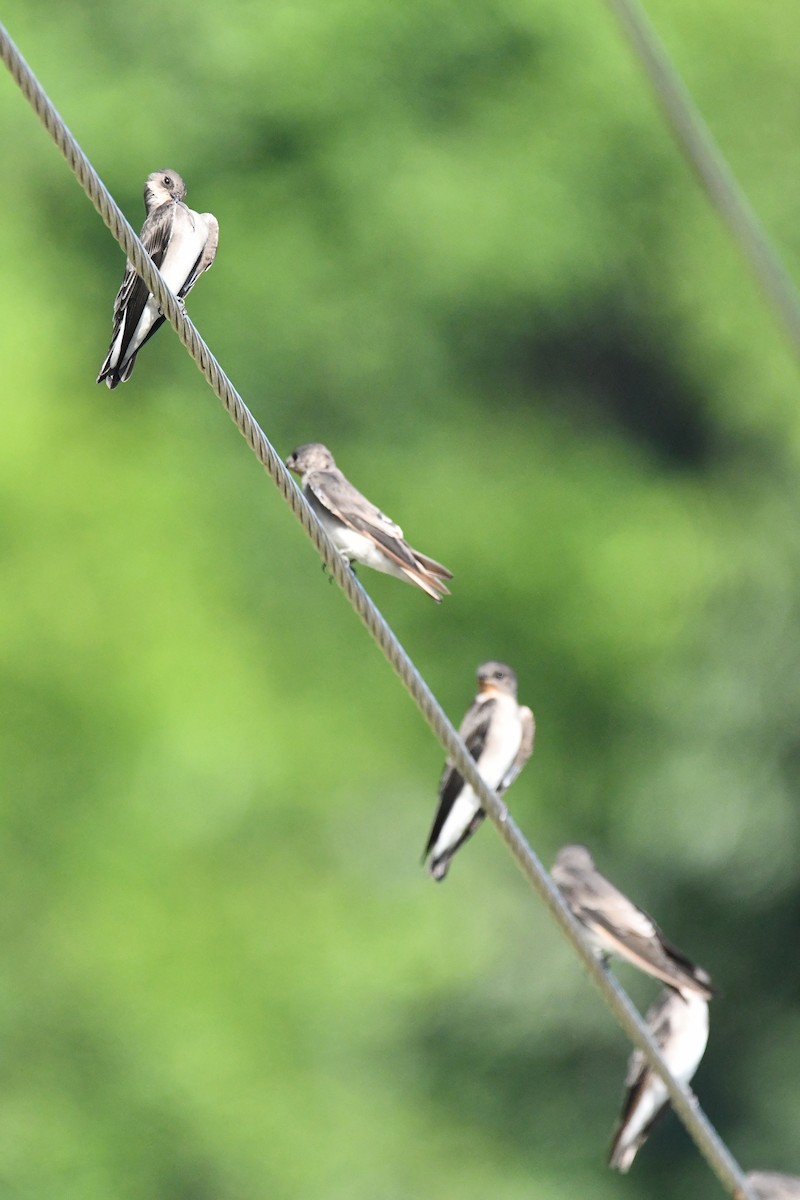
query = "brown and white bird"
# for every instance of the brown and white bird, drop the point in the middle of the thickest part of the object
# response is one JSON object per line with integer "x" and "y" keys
{"x": 616, "y": 926}
{"x": 499, "y": 734}
{"x": 678, "y": 1021}
{"x": 359, "y": 530}
{"x": 182, "y": 244}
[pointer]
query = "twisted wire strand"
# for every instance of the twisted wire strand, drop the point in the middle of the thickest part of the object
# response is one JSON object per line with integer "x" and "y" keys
{"x": 706, "y": 159}
{"x": 683, "y": 1100}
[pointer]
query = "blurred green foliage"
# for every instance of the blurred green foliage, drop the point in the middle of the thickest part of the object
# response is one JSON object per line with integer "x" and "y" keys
{"x": 459, "y": 247}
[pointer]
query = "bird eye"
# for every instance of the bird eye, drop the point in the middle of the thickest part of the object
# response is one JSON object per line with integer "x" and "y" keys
{"x": 167, "y": 181}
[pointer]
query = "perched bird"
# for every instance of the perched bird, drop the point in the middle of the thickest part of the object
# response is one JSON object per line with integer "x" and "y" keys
{"x": 499, "y": 734}
{"x": 359, "y": 530}
{"x": 769, "y": 1185}
{"x": 678, "y": 1021}
{"x": 616, "y": 926}
{"x": 182, "y": 244}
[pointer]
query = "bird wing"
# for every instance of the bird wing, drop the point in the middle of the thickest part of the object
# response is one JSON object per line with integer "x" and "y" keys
{"x": 639, "y": 1080}
{"x": 473, "y": 732}
{"x": 633, "y": 935}
{"x": 686, "y": 967}
{"x": 524, "y": 752}
{"x": 206, "y": 256}
{"x": 432, "y": 566}
{"x": 605, "y": 908}
{"x": 134, "y": 292}
{"x": 346, "y": 503}
{"x": 660, "y": 1019}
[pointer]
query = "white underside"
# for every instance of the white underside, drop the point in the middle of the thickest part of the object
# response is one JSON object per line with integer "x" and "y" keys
{"x": 189, "y": 235}
{"x": 502, "y": 744}
{"x": 682, "y": 1053}
{"x": 356, "y": 547}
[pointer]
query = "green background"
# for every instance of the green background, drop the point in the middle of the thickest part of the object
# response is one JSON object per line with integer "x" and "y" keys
{"x": 459, "y": 247}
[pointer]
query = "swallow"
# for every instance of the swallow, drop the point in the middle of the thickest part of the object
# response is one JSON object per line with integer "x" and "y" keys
{"x": 616, "y": 926}
{"x": 499, "y": 734}
{"x": 182, "y": 244}
{"x": 770, "y": 1185}
{"x": 678, "y": 1021}
{"x": 360, "y": 531}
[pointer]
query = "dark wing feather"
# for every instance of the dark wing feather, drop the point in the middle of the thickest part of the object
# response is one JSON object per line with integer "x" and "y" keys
{"x": 336, "y": 494}
{"x": 698, "y": 974}
{"x": 624, "y": 933}
{"x": 431, "y": 565}
{"x": 346, "y": 503}
{"x": 604, "y": 905}
{"x": 439, "y": 866}
{"x": 648, "y": 949}
{"x": 632, "y": 1098}
{"x": 659, "y": 1021}
{"x": 473, "y": 731}
{"x": 134, "y": 292}
{"x": 393, "y": 545}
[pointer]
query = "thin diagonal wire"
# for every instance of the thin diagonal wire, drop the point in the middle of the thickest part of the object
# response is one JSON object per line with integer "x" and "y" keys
{"x": 697, "y": 143}
{"x": 703, "y": 1133}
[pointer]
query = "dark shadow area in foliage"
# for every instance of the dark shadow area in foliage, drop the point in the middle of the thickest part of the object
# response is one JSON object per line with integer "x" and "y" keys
{"x": 442, "y": 87}
{"x": 478, "y": 1062}
{"x": 608, "y": 366}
